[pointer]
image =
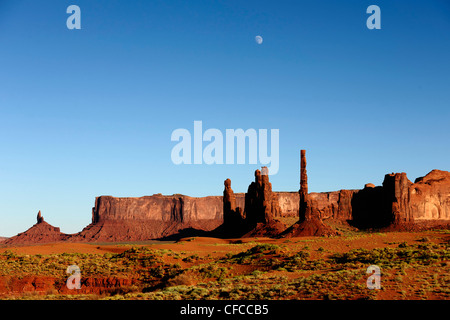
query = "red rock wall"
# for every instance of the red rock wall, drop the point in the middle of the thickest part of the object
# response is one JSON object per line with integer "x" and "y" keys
{"x": 150, "y": 217}
{"x": 429, "y": 197}
{"x": 41, "y": 285}
{"x": 397, "y": 202}
{"x": 175, "y": 208}
{"x": 335, "y": 205}
{"x": 289, "y": 203}
{"x": 178, "y": 208}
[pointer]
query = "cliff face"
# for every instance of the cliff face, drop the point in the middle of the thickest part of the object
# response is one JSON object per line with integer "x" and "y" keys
{"x": 429, "y": 197}
{"x": 289, "y": 204}
{"x": 175, "y": 208}
{"x": 332, "y": 205}
{"x": 150, "y": 217}
{"x": 396, "y": 203}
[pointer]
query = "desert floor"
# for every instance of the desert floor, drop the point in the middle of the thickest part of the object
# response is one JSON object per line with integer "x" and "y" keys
{"x": 413, "y": 265}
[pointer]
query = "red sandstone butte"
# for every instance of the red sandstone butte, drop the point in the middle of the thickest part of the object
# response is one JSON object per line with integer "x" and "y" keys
{"x": 150, "y": 217}
{"x": 258, "y": 216}
{"x": 261, "y": 207}
{"x": 41, "y": 232}
{"x": 398, "y": 204}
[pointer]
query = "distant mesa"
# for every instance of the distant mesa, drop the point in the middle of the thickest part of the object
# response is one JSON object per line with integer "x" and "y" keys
{"x": 398, "y": 204}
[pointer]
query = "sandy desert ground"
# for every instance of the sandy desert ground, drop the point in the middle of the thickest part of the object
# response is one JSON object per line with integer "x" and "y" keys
{"x": 414, "y": 265}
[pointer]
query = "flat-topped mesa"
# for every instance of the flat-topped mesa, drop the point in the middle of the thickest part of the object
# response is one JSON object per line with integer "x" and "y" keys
{"x": 40, "y": 218}
{"x": 303, "y": 214}
{"x": 151, "y": 217}
{"x": 167, "y": 208}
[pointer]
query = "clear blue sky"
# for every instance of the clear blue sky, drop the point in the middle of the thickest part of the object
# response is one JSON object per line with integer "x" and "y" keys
{"x": 90, "y": 112}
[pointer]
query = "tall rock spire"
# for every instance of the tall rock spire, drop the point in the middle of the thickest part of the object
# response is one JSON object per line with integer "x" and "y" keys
{"x": 229, "y": 203}
{"x": 40, "y": 218}
{"x": 303, "y": 187}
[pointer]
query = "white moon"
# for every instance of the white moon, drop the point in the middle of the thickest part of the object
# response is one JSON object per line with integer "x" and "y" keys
{"x": 259, "y": 39}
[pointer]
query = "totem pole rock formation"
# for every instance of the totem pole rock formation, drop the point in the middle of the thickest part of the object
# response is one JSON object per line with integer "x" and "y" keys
{"x": 303, "y": 187}
{"x": 310, "y": 222}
